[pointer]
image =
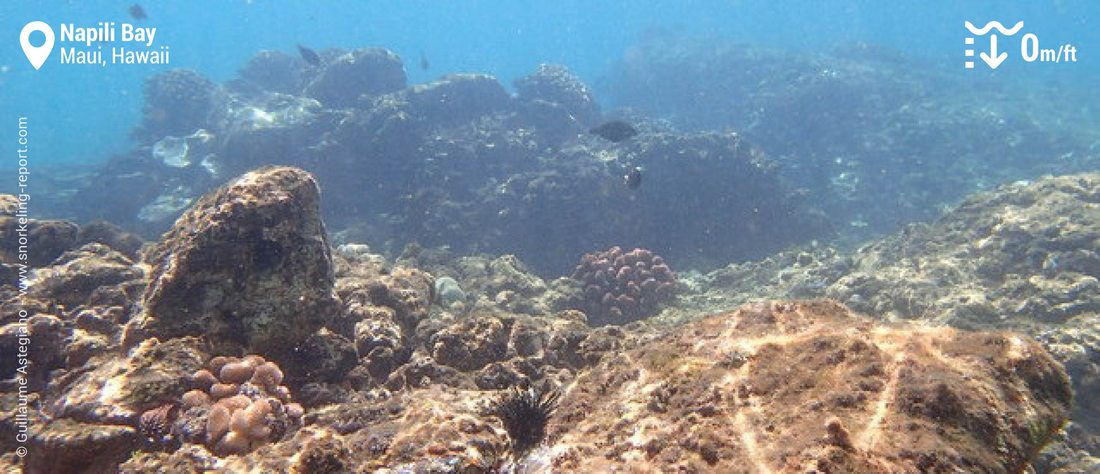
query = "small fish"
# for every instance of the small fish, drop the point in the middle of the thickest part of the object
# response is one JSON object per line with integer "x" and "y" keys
{"x": 137, "y": 12}
{"x": 424, "y": 62}
{"x": 615, "y": 130}
{"x": 310, "y": 56}
{"x": 633, "y": 178}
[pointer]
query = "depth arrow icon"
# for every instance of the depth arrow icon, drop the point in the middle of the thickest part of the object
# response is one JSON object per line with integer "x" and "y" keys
{"x": 993, "y": 59}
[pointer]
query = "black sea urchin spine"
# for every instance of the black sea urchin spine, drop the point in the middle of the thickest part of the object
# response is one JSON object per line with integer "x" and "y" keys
{"x": 525, "y": 414}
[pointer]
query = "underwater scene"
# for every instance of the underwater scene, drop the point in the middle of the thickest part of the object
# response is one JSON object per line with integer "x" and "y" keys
{"x": 473, "y": 236}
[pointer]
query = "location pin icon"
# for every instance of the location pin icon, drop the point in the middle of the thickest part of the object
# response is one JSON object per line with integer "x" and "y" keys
{"x": 36, "y": 54}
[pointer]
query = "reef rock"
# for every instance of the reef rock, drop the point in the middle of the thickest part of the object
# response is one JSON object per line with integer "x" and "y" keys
{"x": 274, "y": 71}
{"x": 1022, "y": 255}
{"x": 456, "y": 98}
{"x": 177, "y": 102}
{"x": 45, "y": 240}
{"x": 249, "y": 265}
{"x": 367, "y": 71}
{"x": 792, "y": 387}
{"x": 556, "y": 84}
{"x": 78, "y": 273}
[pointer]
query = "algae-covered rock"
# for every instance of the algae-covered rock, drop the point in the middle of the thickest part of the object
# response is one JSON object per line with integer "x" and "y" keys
{"x": 249, "y": 265}
{"x": 44, "y": 240}
{"x": 791, "y": 387}
{"x": 77, "y": 273}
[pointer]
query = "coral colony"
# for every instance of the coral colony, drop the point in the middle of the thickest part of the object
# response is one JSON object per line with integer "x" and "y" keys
{"x": 241, "y": 408}
{"x": 622, "y": 287}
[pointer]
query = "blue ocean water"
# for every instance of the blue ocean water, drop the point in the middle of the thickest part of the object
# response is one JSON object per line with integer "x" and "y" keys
{"x": 83, "y": 114}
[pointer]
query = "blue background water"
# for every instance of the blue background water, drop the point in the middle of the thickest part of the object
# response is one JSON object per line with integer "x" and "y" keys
{"x": 82, "y": 114}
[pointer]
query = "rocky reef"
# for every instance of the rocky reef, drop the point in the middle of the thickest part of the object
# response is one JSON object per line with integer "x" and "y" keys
{"x": 434, "y": 331}
{"x": 457, "y": 162}
{"x": 380, "y": 377}
{"x": 1022, "y": 257}
{"x": 875, "y": 138}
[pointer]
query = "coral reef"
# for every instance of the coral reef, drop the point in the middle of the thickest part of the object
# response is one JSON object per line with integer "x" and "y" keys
{"x": 248, "y": 266}
{"x": 381, "y": 313}
{"x": 792, "y": 386}
{"x": 273, "y": 71}
{"x": 619, "y": 287}
{"x": 395, "y": 383}
{"x": 89, "y": 418}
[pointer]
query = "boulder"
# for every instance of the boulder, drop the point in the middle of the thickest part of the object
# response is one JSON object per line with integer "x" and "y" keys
{"x": 808, "y": 386}
{"x": 248, "y": 266}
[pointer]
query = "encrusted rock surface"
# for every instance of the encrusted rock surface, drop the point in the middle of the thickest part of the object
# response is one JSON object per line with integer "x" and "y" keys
{"x": 1024, "y": 254}
{"x": 76, "y": 274}
{"x": 249, "y": 266}
{"x": 1022, "y": 257}
{"x": 797, "y": 386}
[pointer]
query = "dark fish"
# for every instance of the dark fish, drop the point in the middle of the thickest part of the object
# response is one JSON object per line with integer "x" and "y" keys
{"x": 310, "y": 56}
{"x": 138, "y": 12}
{"x": 633, "y": 178}
{"x": 615, "y": 130}
{"x": 424, "y": 62}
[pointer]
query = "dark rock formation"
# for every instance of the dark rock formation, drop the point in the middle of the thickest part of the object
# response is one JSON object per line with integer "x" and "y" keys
{"x": 248, "y": 266}
{"x": 460, "y": 163}
{"x": 363, "y": 72}
{"x": 274, "y": 71}
{"x": 554, "y": 84}
{"x": 177, "y": 102}
{"x": 45, "y": 240}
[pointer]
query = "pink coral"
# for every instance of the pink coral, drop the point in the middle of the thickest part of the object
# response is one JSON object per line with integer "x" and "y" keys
{"x": 619, "y": 287}
{"x": 241, "y": 408}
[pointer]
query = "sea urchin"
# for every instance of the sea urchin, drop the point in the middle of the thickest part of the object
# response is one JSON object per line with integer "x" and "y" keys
{"x": 525, "y": 413}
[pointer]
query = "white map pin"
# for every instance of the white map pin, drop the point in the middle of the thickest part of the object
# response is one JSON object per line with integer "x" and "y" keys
{"x": 36, "y": 55}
